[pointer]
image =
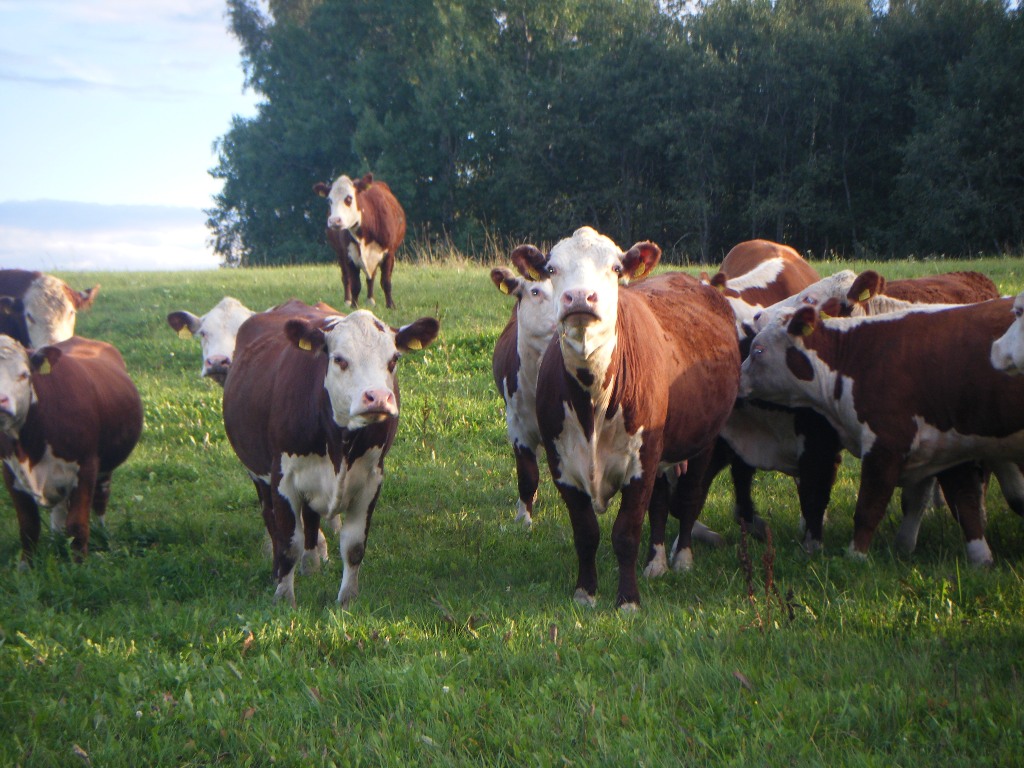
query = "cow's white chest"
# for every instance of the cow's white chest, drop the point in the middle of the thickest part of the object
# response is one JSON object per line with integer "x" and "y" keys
{"x": 598, "y": 467}
{"x": 764, "y": 438}
{"x": 312, "y": 480}
{"x": 367, "y": 256}
{"x": 49, "y": 482}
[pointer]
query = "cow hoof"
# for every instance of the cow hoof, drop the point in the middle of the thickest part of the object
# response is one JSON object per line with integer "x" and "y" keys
{"x": 24, "y": 566}
{"x": 682, "y": 562}
{"x": 334, "y": 524}
{"x": 371, "y": 302}
{"x": 346, "y": 599}
{"x": 658, "y": 565}
{"x": 852, "y": 553}
{"x": 812, "y": 546}
{"x": 311, "y": 561}
{"x": 707, "y": 536}
{"x": 584, "y": 598}
{"x": 524, "y": 518}
{"x": 755, "y": 527}
{"x": 284, "y": 593}
{"x": 629, "y": 607}
{"x": 979, "y": 554}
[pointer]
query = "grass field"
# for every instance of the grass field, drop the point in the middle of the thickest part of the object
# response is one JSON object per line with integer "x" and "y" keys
{"x": 465, "y": 647}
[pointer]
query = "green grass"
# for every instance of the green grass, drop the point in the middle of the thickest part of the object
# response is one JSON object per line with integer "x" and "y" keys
{"x": 465, "y": 647}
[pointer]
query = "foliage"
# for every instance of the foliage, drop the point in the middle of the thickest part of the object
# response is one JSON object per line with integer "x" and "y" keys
{"x": 465, "y": 647}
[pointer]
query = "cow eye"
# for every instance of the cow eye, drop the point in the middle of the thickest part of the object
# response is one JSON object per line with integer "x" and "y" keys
{"x": 550, "y": 270}
{"x": 392, "y": 364}
{"x": 23, "y": 376}
{"x": 810, "y": 300}
{"x": 29, "y": 318}
{"x": 1018, "y": 311}
{"x": 757, "y": 349}
{"x": 617, "y": 269}
{"x": 341, "y": 362}
{"x": 348, "y": 200}
{"x": 536, "y": 292}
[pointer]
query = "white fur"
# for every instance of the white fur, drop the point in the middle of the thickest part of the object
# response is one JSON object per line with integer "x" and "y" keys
{"x": 658, "y": 564}
{"x": 344, "y": 210}
{"x": 761, "y": 276}
{"x": 978, "y": 552}
{"x": 1008, "y": 350}
{"x": 49, "y": 313}
{"x": 217, "y": 330}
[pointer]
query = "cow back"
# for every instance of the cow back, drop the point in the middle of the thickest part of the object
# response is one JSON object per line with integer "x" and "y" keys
{"x": 951, "y": 288}
{"x": 383, "y": 220}
{"x": 786, "y": 272}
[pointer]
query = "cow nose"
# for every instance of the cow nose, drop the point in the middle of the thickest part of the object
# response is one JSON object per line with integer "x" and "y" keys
{"x": 378, "y": 400}
{"x": 218, "y": 361}
{"x": 579, "y": 296}
{"x": 334, "y": 222}
{"x": 5, "y": 404}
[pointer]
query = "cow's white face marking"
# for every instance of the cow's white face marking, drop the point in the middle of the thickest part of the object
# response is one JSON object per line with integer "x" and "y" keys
{"x": 344, "y": 213}
{"x": 16, "y": 393}
{"x": 602, "y": 466}
{"x": 535, "y": 325}
{"x": 834, "y": 286}
{"x": 49, "y": 313}
{"x": 217, "y": 332}
{"x": 1008, "y": 350}
{"x": 50, "y": 481}
{"x": 360, "y": 381}
{"x": 584, "y": 270}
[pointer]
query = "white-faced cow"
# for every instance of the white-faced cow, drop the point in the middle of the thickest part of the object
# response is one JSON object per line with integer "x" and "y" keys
{"x": 636, "y": 380}
{"x": 69, "y": 416}
{"x": 365, "y": 226}
{"x": 1008, "y": 350}
{"x": 38, "y": 309}
{"x": 911, "y": 393}
{"x": 216, "y": 331}
{"x": 312, "y": 407}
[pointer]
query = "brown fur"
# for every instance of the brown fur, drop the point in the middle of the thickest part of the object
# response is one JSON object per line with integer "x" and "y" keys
{"x": 744, "y": 257}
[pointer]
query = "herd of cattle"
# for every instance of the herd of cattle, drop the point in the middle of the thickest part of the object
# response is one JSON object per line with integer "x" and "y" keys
{"x": 637, "y": 385}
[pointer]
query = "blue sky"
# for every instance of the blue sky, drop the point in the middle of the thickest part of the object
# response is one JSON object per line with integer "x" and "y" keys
{"x": 112, "y": 103}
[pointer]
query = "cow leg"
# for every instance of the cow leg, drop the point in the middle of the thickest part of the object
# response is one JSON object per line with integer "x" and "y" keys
{"x": 963, "y": 488}
{"x": 687, "y": 502}
{"x": 27, "y": 512}
{"x": 387, "y": 266}
{"x": 79, "y": 504}
{"x": 345, "y": 265}
{"x": 1011, "y": 483}
{"x": 817, "y": 467}
{"x": 626, "y": 533}
{"x": 528, "y": 478}
{"x": 879, "y": 471}
{"x": 369, "y": 290}
{"x": 266, "y": 499}
{"x": 315, "y": 545}
{"x": 743, "y": 507}
{"x": 586, "y": 534}
{"x": 914, "y": 503}
{"x": 352, "y": 541}
{"x": 101, "y": 498}
{"x": 657, "y": 514}
{"x": 355, "y": 284}
{"x": 287, "y": 546}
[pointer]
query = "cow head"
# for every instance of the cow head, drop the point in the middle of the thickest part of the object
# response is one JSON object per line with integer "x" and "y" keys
{"x": 16, "y": 392}
{"x": 47, "y": 311}
{"x": 362, "y": 354}
{"x": 584, "y": 271}
{"x": 835, "y": 286}
{"x": 1008, "y": 350}
{"x": 778, "y": 362}
{"x": 343, "y": 196}
{"x": 216, "y": 331}
{"x": 535, "y": 312}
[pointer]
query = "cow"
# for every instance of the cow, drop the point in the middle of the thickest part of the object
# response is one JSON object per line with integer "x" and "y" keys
{"x": 911, "y": 393}
{"x": 38, "y": 309}
{"x": 365, "y": 227}
{"x": 311, "y": 408}
{"x": 69, "y": 416}
{"x": 634, "y": 381}
{"x": 216, "y": 331}
{"x": 1008, "y": 350}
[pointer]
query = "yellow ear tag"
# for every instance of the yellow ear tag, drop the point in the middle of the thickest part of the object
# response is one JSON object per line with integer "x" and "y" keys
{"x": 414, "y": 344}
{"x": 45, "y": 367}
{"x": 534, "y": 274}
{"x": 502, "y": 287}
{"x": 184, "y": 332}
{"x": 864, "y": 295}
{"x": 304, "y": 344}
{"x": 721, "y": 287}
{"x": 824, "y": 315}
{"x": 808, "y": 330}
{"x": 640, "y": 271}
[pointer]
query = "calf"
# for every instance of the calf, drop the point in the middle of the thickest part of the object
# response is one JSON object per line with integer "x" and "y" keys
{"x": 38, "y": 309}
{"x": 911, "y": 393}
{"x": 634, "y": 380}
{"x": 311, "y": 408}
{"x": 365, "y": 227}
{"x": 1008, "y": 350}
{"x": 216, "y": 331}
{"x": 69, "y": 416}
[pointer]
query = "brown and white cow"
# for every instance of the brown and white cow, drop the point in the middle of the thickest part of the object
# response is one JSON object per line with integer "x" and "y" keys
{"x": 1008, "y": 350}
{"x": 365, "y": 226}
{"x": 515, "y": 364}
{"x": 38, "y": 309}
{"x": 216, "y": 331}
{"x": 312, "y": 408}
{"x": 635, "y": 380}
{"x": 69, "y": 416}
{"x": 911, "y": 393}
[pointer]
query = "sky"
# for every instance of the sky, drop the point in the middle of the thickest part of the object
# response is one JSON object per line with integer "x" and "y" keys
{"x": 110, "y": 112}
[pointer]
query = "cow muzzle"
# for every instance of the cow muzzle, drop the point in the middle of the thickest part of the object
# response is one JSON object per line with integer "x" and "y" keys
{"x": 578, "y": 307}
{"x": 375, "y": 405}
{"x": 217, "y": 368}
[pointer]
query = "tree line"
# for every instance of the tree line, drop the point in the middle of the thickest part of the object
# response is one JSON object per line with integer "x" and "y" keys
{"x": 849, "y": 127}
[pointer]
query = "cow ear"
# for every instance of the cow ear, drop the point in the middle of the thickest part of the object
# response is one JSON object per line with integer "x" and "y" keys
{"x": 185, "y": 324}
{"x": 304, "y": 335}
{"x": 866, "y": 286}
{"x": 803, "y": 322}
{"x": 322, "y": 189}
{"x": 365, "y": 183}
{"x": 833, "y": 308}
{"x": 9, "y": 305}
{"x": 531, "y": 263}
{"x": 639, "y": 260}
{"x": 505, "y": 280}
{"x": 418, "y": 334}
{"x": 704, "y": 277}
{"x": 718, "y": 281}
{"x": 81, "y": 299}
{"x": 44, "y": 359}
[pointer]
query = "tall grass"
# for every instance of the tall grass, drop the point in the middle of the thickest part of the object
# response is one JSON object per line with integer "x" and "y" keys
{"x": 465, "y": 648}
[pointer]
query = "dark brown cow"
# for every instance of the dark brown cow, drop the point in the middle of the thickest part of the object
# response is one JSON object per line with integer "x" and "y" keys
{"x": 870, "y": 288}
{"x": 69, "y": 416}
{"x": 37, "y": 309}
{"x": 634, "y": 379}
{"x": 911, "y": 393}
{"x": 311, "y": 409}
{"x": 365, "y": 227}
